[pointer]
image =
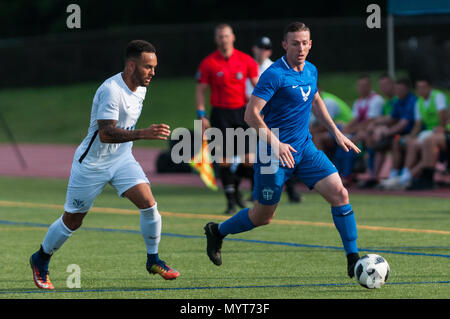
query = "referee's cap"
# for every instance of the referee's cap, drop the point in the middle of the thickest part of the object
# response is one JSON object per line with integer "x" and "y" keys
{"x": 264, "y": 43}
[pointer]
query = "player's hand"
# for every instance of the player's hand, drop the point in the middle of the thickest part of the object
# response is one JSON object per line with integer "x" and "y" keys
{"x": 285, "y": 155}
{"x": 157, "y": 132}
{"x": 346, "y": 143}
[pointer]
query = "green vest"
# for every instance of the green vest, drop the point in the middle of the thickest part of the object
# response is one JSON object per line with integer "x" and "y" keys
{"x": 430, "y": 116}
{"x": 345, "y": 113}
{"x": 389, "y": 105}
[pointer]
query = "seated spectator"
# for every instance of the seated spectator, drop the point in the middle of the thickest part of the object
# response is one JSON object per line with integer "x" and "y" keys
{"x": 434, "y": 147}
{"x": 387, "y": 87}
{"x": 366, "y": 109}
{"x": 385, "y": 128}
{"x": 430, "y": 113}
{"x": 341, "y": 114}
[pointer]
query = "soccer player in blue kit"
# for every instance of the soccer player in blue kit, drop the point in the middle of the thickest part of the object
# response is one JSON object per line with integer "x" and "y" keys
{"x": 283, "y": 99}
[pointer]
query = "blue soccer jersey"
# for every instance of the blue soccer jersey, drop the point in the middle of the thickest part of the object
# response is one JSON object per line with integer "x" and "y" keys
{"x": 289, "y": 95}
{"x": 404, "y": 109}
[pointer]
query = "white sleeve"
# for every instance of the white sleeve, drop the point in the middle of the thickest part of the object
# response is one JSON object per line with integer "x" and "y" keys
{"x": 248, "y": 88}
{"x": 417, "y": 111}
{"x": 441, "y": 102}
{"x": 108, "y": 104}
{"x": 332, "y": 107}
{"x": 375, "y": 107}
{"x": 355, "y": 111}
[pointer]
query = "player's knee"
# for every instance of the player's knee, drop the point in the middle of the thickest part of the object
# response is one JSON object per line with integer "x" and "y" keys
{"x": 260, "y": 217}
{"x": 73, "y": 221}
{"x": 340, "y": 196}
{"x": 146, "y": 203}
{"x": 264, "y": 221}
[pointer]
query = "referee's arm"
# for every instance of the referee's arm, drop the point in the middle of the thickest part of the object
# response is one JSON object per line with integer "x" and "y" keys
{"x": 200, "y": 95}
{"x": 200, "y": 98}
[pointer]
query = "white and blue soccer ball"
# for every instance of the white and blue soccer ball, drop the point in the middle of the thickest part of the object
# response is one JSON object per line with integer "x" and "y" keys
{"x": 372, "y": 271}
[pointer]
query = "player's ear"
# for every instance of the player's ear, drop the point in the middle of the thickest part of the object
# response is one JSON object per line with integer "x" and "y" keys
{"x": 284, "y": 44}
{"x": 130, "y": 65}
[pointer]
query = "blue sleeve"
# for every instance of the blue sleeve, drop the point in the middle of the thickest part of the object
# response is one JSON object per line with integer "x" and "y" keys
{"x": 394, "y": 114}
{"x": 317, "y": 80}
{"x": 267, "y": 85}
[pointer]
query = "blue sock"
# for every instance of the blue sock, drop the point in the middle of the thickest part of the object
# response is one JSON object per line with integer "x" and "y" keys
{"x": 239, "y": 223}
{"x": 152, "y": 258}
{"x": 345, "y": 222}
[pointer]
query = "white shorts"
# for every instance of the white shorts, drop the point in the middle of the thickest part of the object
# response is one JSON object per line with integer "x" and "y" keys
{"x": 422, "y": 136}
{"x": 85, "y": 184}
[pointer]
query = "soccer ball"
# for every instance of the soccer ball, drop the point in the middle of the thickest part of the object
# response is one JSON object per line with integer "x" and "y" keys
{"x": 371, "y": 271}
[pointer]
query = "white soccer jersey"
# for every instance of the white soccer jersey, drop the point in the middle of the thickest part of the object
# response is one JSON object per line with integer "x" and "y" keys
{"x": 112, "y": 101}
{"x": 368, "y": 108}
{"x": 262, "y": 67}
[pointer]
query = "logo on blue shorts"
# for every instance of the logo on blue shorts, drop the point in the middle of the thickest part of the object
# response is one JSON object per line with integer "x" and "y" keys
{"x": 267, "y": 193}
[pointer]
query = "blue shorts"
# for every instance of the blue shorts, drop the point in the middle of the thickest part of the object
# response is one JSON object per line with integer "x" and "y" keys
{"x": 311, "y": 166}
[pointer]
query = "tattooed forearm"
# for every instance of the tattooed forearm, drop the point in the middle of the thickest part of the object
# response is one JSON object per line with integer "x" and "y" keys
{"x": 109, "y": 133}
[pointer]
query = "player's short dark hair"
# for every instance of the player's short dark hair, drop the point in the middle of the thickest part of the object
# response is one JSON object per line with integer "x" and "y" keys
{"x": 364, "y": 76}
{"x": 136, "y": 47}
{"x": 404, "y": 81}
{"x": 424, "y": 78}
{"x": 295, "y": 27}
{"x": 221, "y": 26}
{"x": 384, "y": 75}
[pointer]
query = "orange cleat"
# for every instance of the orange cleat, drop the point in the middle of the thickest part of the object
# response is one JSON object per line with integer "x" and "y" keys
{"x": 163, "y": 269}
{"x": 40, "y": 274}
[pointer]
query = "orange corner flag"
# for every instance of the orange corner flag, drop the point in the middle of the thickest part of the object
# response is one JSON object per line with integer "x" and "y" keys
{"x": 201, "y": 162}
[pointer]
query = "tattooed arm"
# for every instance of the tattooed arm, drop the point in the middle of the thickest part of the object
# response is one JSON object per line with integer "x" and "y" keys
{"x": 109, "y": 133}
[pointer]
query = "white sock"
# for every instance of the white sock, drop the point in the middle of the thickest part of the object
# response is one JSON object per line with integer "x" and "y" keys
{"x": 57, "y": 235}
{"x": 394, "y": 173}
{"x": 151, "y": 228}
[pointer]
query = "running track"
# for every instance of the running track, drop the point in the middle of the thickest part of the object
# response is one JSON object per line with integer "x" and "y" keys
{"x": 54, "y": 161}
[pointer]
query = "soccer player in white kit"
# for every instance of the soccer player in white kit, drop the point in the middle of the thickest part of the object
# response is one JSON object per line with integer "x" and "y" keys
{"x": 105, "y": 157}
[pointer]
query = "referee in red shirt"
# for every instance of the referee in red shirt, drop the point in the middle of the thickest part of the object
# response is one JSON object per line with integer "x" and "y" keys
{"x": 225, "y": 72}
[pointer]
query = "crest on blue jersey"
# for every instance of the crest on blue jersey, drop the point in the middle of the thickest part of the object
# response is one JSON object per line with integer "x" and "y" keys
{"x": 305, "y": 95}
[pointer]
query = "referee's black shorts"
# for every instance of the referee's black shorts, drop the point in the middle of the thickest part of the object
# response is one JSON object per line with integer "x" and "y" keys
{"x": 223, "y": 118}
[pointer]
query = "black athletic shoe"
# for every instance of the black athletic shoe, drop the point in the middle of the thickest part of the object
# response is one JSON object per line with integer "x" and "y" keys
{"x": 213, "y": 243}
{"x": 352, "y": 258}
{"x": 231, "y": 208}
{"x": 241, "y": 202}
{"x": 421, "y": 184}
{"x": 367, "y": 184}
{"x": 294, "y": 197}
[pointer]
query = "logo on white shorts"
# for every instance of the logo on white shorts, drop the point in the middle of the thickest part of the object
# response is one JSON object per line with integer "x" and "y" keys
{"x": 78, "y": 203}
{"x": 267, "y": 193}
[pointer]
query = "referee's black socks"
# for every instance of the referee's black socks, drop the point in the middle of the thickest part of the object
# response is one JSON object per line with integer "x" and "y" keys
{"x": 228, "y": 183}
